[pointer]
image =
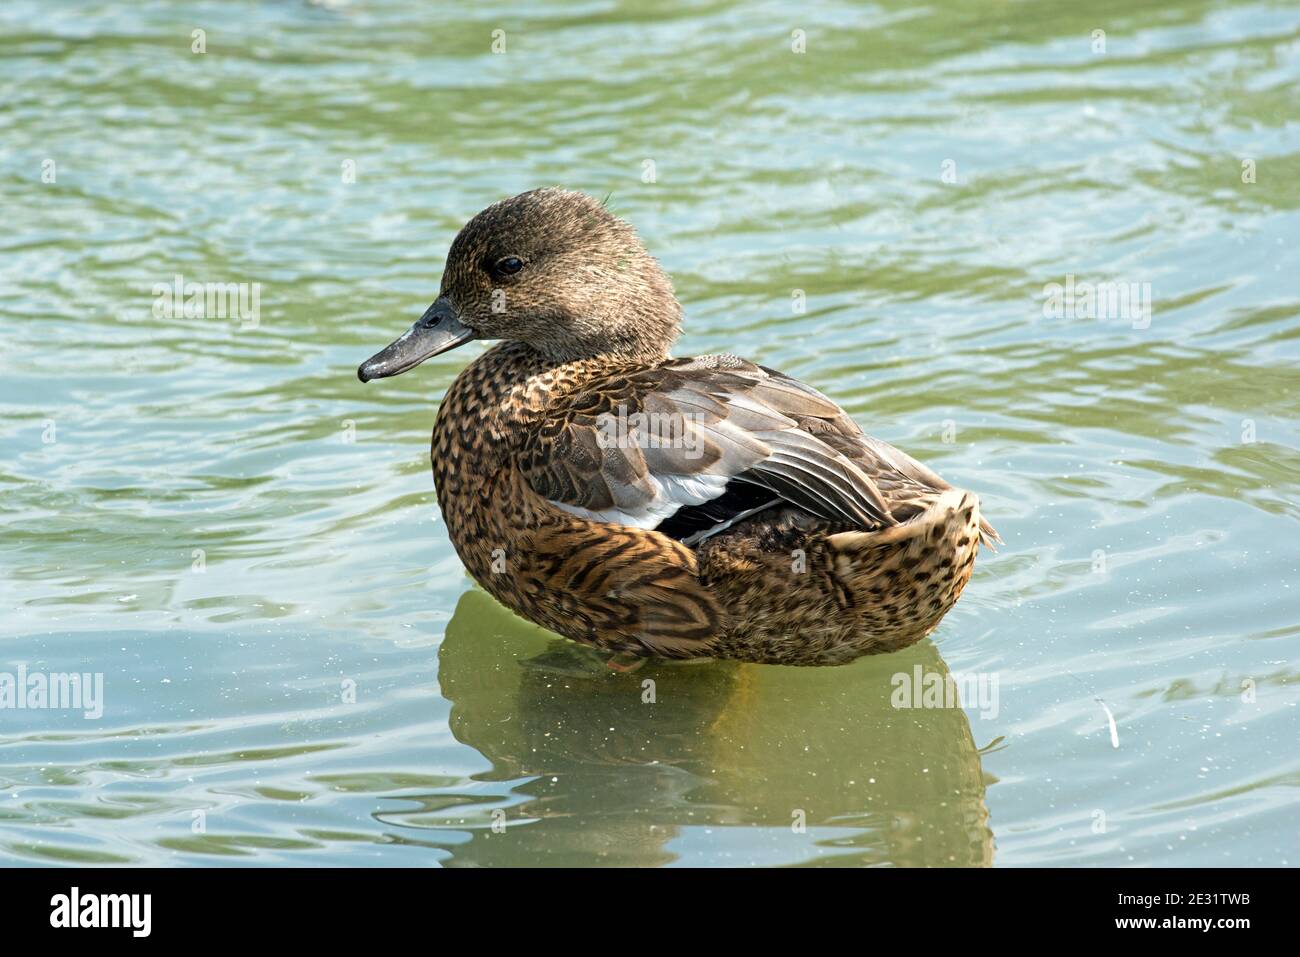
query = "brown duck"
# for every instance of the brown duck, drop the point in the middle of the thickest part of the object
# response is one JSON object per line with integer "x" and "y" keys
{"x": 651, "y": 506}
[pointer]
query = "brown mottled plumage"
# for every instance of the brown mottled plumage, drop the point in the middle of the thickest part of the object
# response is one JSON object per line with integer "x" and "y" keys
{"x": 683, "y": 508}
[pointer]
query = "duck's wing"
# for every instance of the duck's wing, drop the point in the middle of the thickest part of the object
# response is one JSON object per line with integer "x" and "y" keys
{"x": 694, "y": 443}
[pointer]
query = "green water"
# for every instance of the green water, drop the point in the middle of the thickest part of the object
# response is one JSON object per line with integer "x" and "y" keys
{"x": 243, "y": 540}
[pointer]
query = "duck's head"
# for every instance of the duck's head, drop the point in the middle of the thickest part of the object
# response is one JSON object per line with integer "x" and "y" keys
{"x": 551, "y": 269}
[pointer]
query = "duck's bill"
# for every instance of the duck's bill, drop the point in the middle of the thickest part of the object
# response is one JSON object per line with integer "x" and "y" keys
{"x": 439, "y": 330}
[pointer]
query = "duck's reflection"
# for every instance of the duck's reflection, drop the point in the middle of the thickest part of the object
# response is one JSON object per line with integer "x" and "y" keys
{"x": 702, "y": 763}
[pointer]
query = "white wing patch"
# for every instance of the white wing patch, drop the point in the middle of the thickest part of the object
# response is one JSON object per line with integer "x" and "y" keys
{"x": 671, "y": 492}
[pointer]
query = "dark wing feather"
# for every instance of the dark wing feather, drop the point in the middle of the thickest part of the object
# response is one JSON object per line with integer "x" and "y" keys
{"x": 717, "y": 420}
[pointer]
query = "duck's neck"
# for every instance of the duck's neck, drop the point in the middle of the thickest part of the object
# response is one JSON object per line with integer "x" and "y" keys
{"x": 483, "y": 423}
{"x": 507, "y": 386}
{"x": 492, "y": 405}
{"x": 473, "y": 416}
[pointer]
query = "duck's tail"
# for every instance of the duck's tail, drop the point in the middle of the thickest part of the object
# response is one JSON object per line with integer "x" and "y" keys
{"x": 905, "y": 578}
{"x": 989, "y": 536}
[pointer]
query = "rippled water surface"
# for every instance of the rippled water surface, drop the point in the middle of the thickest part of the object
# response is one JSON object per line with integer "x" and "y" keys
{"x": 243, "y": 540}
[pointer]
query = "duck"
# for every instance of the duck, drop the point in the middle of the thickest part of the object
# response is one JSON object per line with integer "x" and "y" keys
{"x": 648, "y": 506}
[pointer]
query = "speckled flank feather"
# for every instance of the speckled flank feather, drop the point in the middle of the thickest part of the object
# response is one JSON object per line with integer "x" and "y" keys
{"x": 856, "y": 592}
{"x": 616, "y": 587}
{"x": 775, "y": 531}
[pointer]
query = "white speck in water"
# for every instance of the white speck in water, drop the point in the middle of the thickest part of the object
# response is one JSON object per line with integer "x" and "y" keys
{"x": 1114, "y": 731}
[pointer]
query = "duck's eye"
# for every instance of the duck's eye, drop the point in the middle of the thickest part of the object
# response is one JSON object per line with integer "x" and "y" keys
{"x": 509, "y": 265}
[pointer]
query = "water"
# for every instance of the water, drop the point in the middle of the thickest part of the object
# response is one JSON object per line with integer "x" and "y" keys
{"x": 242, "y": 538}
